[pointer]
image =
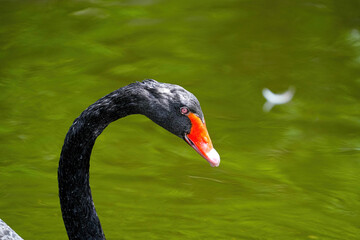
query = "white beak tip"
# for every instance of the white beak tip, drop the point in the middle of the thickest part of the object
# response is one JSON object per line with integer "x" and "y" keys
{"x": 213, "y": 158}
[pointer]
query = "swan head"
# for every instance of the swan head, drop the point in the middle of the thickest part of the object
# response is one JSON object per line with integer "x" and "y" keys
{"x": 178, "y": 111}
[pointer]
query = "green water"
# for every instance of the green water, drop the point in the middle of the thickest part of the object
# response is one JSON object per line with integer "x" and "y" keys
{"x": 292, "y": 173}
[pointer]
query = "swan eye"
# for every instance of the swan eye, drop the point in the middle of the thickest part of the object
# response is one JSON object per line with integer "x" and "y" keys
{"x": 184, "y": 110}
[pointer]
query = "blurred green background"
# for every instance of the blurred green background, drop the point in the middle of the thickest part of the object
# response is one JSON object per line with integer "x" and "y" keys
{"x": 292, "y": 173}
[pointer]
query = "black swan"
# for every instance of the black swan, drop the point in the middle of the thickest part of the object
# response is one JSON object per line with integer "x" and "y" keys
{"x": 168, "y": 105}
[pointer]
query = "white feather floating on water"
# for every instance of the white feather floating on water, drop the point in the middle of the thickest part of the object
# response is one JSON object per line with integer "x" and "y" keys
{"x": 273, "y": 99}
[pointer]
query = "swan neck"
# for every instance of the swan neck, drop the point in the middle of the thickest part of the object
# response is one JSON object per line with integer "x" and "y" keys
{"x": 78, "y": 210}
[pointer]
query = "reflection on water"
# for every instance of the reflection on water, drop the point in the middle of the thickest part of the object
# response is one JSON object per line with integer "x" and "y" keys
{"x": 291, "y": 173}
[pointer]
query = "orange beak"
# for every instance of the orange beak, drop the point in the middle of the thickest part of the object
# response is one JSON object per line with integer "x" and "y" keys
{"x": 199, "y": 139}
